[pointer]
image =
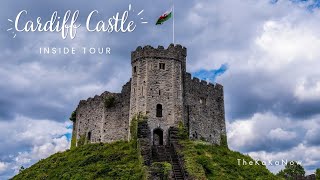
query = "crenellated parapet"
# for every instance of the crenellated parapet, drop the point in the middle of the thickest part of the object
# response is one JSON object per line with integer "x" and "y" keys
{"x": 204, "y": 112}
{"x": 161, "y": 88}
{"x": 173, "y": 52}
{"x": 96, "y": 100}
{"x": 202, "y": 84}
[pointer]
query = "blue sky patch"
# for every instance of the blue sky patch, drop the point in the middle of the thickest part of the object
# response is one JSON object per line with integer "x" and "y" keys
{"x": 211, "y": 75}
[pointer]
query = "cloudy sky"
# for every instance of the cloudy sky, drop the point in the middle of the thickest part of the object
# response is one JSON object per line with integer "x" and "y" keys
{"x": 265, "y": 53}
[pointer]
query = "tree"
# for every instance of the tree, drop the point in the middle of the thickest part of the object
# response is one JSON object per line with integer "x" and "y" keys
{"x": 292, "y": 170}
{"x": 21, "y": 169}
{"x": 281, "y": 173}
{"x": 318, "y": 173}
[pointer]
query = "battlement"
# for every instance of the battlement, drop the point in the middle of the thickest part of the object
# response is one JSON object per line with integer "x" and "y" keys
{"x": 96, "y": 99}
{"x": 173, "y": 52}
{"x": 161, "y": 88}
{"x": 202, "y": 83}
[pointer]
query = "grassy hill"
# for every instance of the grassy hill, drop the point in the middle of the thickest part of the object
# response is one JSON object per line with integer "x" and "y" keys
{"x": 205, "y": 161}
{"x": 120, "y": 160}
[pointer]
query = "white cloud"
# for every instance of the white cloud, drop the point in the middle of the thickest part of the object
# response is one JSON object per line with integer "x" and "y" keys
{"x": 282, "y": 42}
{"x": 259, "y": 129}
{"x": 3, "y": 166}
{"x": 271, "y": 49}
{"x": 276, "y": 46}
{"x": 281, "y": 134}
{"x": 309, "y": 156}
{"x": 307, "y": 90}
{"x": 38, "y": 138}
{"x": 266, "y": 128}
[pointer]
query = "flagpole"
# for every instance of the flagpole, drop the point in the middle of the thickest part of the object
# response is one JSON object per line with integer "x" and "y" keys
{"x": 173, "y": 13}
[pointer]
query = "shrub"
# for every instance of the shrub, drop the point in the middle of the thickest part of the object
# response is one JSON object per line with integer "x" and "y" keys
{"x": 161, "y": 169}
{"x": 134, "y": 127}
{"x": 73, "y": 141}
{"x": 182, "y": 131}
{"x": 292, "y": 170}
{"x": 223, "y": 141}
{"x": 109, "y": 101}
{"x": 73, "y": 116}
{"x": 318, "y": 173}
{"x": 81, "y": 140}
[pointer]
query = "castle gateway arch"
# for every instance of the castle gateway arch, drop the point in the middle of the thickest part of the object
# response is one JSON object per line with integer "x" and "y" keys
{"x": 157, "y": 137}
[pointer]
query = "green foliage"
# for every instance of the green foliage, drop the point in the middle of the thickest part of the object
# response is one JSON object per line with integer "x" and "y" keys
{"x": 118, "y": 160}
{"x": 291, "y": 170}
{"x": 81, "y": 140}
{"x": 73, "y": 141}
{"x": 318, "y": 173}
{"x": 73, "y": 116}
{"x": 109, "y": 101}
{"x": 206, "y": 161}
{"x": 182, "y": 131}
{"x": 281, "y": 174}
{"x": 223, "y": 141}
{"x": 134, "y": 126}
{"x": 162, "y": 168}
{"x": 21, "y": 169}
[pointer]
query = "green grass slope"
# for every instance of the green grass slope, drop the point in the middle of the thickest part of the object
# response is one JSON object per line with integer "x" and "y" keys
{"x": 205, "y": 161}
{"x": 119, "y": 160}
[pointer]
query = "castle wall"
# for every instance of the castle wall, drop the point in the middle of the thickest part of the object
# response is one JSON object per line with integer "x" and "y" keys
{"x": 199, "y": 105}
{"x": 152, "y": 85}
{"x": 204, "y": 110}
{"x": 104, "y": 124}
{"x": 116, "y": 123}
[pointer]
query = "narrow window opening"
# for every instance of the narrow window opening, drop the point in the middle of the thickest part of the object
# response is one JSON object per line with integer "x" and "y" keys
{"x": 162, "y": 66}
{"x": 89, "y": 136}
{"x": 203, "y": 101}
{"x": 159, "y": 110}
{"x": 135, "y": 69}
{"x": 142, "y": 90}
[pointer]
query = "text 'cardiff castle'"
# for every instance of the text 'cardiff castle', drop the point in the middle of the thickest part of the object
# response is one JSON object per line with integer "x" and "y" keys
{"x": 161, "y": 89}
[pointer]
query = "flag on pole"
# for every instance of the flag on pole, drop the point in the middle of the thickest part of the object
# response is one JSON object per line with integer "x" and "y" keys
{"x": 164, "y": 17}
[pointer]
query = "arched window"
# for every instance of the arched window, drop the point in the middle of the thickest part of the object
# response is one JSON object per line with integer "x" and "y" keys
{"x": 159, "y": 110}
{"x": 89, "y": 136}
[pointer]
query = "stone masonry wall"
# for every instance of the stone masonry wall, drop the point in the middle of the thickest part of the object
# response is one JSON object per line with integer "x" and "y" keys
{"x": 204, "y": 110}
{"x": 152, "y": 85}
{"x": 104, "y": 124}
{"x": 198, "y": 104}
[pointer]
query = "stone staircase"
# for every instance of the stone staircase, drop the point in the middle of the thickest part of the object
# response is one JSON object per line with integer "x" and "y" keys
{"x": 159, "y": 153}
{"x": 176, "y": 167}
{"x": 167, "y": 153}
{"x": 162, "y": 153}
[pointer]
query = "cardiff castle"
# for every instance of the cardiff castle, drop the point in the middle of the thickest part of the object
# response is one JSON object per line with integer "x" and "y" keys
{"x": 162, "y": 90}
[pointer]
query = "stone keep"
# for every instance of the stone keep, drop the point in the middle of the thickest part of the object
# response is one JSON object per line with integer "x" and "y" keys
{"x": 161, "y": 89}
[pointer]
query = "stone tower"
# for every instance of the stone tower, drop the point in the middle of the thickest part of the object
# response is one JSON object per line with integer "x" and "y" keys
{"x": 157, "y": 87}
{"x": 161, "y": 89}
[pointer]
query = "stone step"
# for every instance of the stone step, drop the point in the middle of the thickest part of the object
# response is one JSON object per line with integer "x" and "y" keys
{"x": 167, "y": 153}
